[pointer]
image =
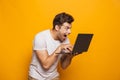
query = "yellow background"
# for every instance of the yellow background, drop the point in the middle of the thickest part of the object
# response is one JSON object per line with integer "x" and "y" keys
{"x": 20, "y": 20}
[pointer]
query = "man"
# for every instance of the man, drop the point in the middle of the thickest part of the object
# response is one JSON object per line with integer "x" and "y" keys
{"x": 47, "y": 46}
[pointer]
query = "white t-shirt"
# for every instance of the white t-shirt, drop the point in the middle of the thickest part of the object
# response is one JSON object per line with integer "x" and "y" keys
{"x": 44, "y": 41}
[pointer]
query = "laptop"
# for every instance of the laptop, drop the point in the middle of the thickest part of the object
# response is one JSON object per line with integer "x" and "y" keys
{"x": 82, "y": 43}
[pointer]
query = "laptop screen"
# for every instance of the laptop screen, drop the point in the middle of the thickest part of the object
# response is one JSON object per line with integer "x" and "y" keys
{"x": 82, "y": 43}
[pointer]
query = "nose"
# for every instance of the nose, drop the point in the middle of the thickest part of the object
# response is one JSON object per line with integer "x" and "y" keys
{"x": 69, "y": 31}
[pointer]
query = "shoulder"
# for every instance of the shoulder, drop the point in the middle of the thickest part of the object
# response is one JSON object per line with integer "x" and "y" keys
{"x": 42, "y": 34}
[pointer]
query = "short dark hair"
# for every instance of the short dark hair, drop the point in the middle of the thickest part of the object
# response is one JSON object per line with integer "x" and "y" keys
{"x": 62, "y": 18}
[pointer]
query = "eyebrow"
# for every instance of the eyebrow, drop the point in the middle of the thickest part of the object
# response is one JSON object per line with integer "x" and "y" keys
{"x": 69, "y": 27}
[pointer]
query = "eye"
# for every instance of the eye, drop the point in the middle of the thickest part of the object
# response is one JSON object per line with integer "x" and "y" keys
{"x": 67, "y": 28}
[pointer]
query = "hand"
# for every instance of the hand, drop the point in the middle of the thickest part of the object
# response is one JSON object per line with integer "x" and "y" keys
{"x": 75, "y": 54}
{"x": 64, "y": 48}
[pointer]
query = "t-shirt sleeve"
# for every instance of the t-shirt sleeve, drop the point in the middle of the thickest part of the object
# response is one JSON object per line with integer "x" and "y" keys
{"x": 39, "y": 43}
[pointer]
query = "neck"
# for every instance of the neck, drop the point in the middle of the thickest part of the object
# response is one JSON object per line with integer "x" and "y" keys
{"x": 54, "y": 34}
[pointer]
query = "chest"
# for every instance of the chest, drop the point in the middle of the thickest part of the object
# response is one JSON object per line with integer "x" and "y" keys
{"x": 51, "y": 45}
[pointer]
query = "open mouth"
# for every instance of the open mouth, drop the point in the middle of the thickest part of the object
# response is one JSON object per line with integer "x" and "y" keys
{"x": 65, "y": 35}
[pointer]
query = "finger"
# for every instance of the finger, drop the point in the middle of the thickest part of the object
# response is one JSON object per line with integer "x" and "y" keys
{"x": 69, "y": 49}
{"x": 76, "y": 54}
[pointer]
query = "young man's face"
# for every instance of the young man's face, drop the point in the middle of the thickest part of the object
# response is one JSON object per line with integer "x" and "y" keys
{"x": 64, "y": 31}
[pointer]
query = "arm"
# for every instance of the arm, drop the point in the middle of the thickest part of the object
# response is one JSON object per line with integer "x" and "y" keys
{"x": 66, "y": 60}
{"x": 47, "y": 60}
{"x": 66, "y": 57}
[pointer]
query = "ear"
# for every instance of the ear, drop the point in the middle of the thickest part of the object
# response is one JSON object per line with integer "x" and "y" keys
{"x": 57, "y": 27}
